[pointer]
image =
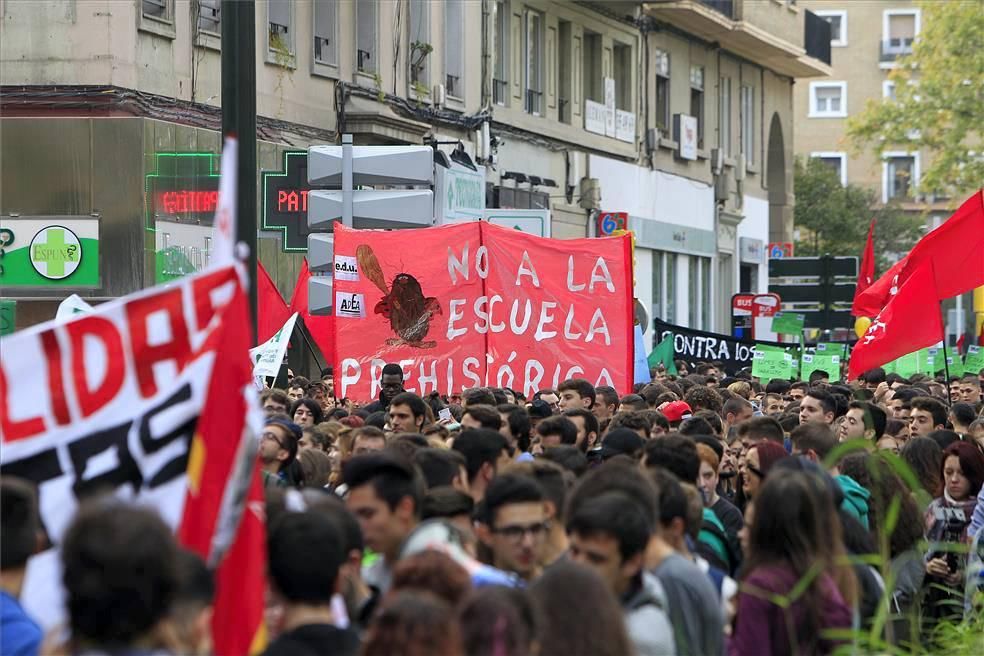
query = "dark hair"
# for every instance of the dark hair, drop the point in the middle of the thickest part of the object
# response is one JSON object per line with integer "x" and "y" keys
{"x": 439, "y": 466}
{"x": 304, "y": 552}
{"x": 550, "y": 476}
{"x": 298, "y": 381}
{"x": 712, "y": 443}
{"x": 971, "y": 463}
{"x": 486, "y": 415}
{"x": 778, "y": 386}
{"x": 413, "y": 623}
{"x": 590, "y": 421}
{"x": 315, "y": 466}
{"x": 925, "y": 458}
{"x": 479, "y": 446}
{"x": 376, "y": 419}
{"x": 944, "y": 437}
{"x": 607, "y": 395}
{"x": 19, "y": 522}
{"x": 119, "y": 571}
{"x": 633, "y": 400}
{"x": 558, "y": 425}
{"x": 874, "y": 376}
{"x": 445, "y": 501}
{"x": 788, "y": 423}
{"x": 963, "y": 413}
{"x": 761, "y": 428}
{"x": 415, "y": 403}
{"x": 712, "y": 418}
{"x": 906, "y": 394}
{"x": 506, "y": 489}
{"x": 584, "y": 389}
{"x": 769, "y": 453}
{"x": 519, "y": 423}
{"x": 614, "y": 475}
{"x": 616, "y": 515}
{"x": 825, "y": 398}
{"x": 734, "y": 406}
{"x": 631, "y": 419}
{"x": 478, "y": 396}
{"x": 392, "y": 369}
{"x": 893, "y": 426}
{"x": 695, "y": 426}
{"x": 278, "y": 396}
{"x": 391, "y": 477}
{"x": 593, "y": 626}
{"x": 700, "y": 397}
{"x": 673, "y": 500}
{"x": 814, "y": 436}
{"x": 567, "y": 456}
{"x": 874, "y": 417}
{"x": 677, "y": 453}
{"x": 498, "y": 621}
{"x": 435, "y": 572}
{"x": 932, "y": 406}
{"x": 311, "y": 405}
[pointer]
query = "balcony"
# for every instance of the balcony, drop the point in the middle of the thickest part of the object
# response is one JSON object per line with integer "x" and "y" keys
{"x": 771, "y": 34}
{"x": 534, "y": 102}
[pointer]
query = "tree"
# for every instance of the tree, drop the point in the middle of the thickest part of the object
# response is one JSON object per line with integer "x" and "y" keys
{"x": 834, "y": 219}
{"x": 939, "y": 101}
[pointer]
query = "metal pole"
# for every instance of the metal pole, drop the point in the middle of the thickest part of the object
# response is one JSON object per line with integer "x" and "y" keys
{"x": 239, "y": 118}
{"x": 347, "y": 180}
{"x": 946, "y": 366}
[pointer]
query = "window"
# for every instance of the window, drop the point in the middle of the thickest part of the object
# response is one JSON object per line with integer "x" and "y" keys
{"x": 828, "y": 99}
{"x": 888, "y": 90}
{"x": 693, "y": 282}
{"x": 365, "y": 38}
{"x": 705, "y": 293}
{"x": 210, "y": 16}
{"x": 836, "y": 161}
{"x": 661, "y": 59}
{"x": 659, "y": 278}
{"x": 420, "y": 47}
{"x": 594, "y": 82}
{"x": 454, "y": 48}
{"x": 748, "y": 123}
{"x": 838, "y": 26}
{"x": 622, "y": 62}
{"x": 900, "y": 174}
{"x": 161, "y": 10}
{"x": 500, "y": 78}
{"x": 534, "y": 62}
{"x": 697, "y": 101}
{"x": 565, "y": 71}
{"x": 280, "y": 31}
{"x": 669, "y": 276}
{"x": 325, "y": 42}
{"x": 724, "y": 116}
{"x": 899, "y": 30}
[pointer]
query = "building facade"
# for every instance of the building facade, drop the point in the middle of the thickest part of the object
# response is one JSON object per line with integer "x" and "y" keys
{"x": 679, "y": 114}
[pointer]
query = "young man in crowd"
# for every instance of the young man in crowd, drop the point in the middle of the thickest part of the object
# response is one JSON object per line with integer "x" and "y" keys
{"x": 970, "y": 390}
{"x": 513, "y": 524}
{"x": 587, "y": 428}
{"x": 550, "y": 397}
{"x": 556, "y": 431}
{"x": 408, "y": 413}
{"x": 384, "y": 494}
{"x": 576, "y": 393}
{"x": 296, "y": 389}
{"x": 390, "y": 384}
{"x": 928, "y": 415}
{"x": 481, "y": 416}
{"x": 515, "y": 427}
{"x": 274, "y": 402}
{"x": 606, "y": 402}
{"x": 484, "y": 451}
{"x": 368, "y": 439}
{"x": 304, "y": 554}
{"x": 278, "y": 450}
{"x": 553, "y": 480}
{"x": 817, "y": 406}
{"x": 20, "y": 635}
{"x": 735, "y": 411}
{"x": 814, "y": 441}
{"x": 863, "y": 421}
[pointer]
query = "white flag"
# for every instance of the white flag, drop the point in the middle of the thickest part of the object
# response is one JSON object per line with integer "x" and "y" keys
{"x": 224, "y": 223}
{"x": 71, "y": 306}
{"x": 268, "y": 355}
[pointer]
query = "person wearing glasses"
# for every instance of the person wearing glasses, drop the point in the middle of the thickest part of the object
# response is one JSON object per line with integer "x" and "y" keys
{"x": 278, "y": 450}
{"x": 513, "y": 524}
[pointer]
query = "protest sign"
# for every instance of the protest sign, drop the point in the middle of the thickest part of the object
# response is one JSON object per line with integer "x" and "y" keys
{"x": 831, "y": 348}
{"x": 268, "y": 356}
{"x": 954, "y": 366}
{"x": 974, "y": 360}
{"x": 788, "y": 323}
{"x": 148, "y": 397}
{"x": 476, "y": 304}
{"x": 827, "y": 363}
{"x": 767, "y": 365}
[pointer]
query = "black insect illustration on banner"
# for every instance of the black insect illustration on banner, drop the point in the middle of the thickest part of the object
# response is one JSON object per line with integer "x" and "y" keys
{"x": 403, "y": 303}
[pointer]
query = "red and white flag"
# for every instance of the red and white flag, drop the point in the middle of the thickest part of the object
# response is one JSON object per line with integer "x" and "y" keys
{"x": 224, "y": 223}
{"x": 910, "y": 321}
{"x": 866, "y": 274}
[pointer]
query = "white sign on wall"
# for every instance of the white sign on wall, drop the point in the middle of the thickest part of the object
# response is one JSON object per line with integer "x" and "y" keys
{"x": 687, "y": 137}
{"x": 594, "y": 117}
{"x": 609, "y": 107}
{"x": 625, "y": 127}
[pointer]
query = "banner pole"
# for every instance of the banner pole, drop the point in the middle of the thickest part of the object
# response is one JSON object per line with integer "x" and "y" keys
{"x": 946, "y": 366}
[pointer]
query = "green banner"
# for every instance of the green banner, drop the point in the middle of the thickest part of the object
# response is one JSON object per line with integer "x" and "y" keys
{"x": 954, "y": 366}
{"x": 788, "y": 323}
{"x": 828, "y": 363}
{"x": 8, "y": 316}
{"x": 828, "y": 348}
{"x": 974, "y": 360}
{"x": 767, "y": 365}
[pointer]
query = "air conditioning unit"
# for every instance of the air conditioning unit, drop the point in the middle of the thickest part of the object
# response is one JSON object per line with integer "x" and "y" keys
{"x": 722, "y": 187}
{"x": 439, "y": 95}
{"x": 740, "y": 169}
{"x": 717, "y": 161}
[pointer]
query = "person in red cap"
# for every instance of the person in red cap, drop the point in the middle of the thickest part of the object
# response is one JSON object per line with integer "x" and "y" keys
{"x": 675, "y": 412}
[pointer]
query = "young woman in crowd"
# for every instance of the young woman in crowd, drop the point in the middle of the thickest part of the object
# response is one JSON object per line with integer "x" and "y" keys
{"x": 413, "y": 623}
{"x": 925, "y": 458}
{"x": 793, "y": 537}
{"x": 758, "y": 462}
{"x": 947, "y": 519}
{"x": 306, "y": 412}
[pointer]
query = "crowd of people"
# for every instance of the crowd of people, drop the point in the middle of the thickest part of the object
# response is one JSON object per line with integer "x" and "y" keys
{"x": 703, "y": 514}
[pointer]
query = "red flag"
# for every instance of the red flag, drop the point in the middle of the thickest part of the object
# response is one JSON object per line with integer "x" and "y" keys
{"x": 960, "y": 343}
{"x": 220, "y": 520}
{"x": 956, "y": 250}
{"x": 273, "y": 313}
{"x": 866, "y": 275}
{"x": 909, "y": 322}
{"x": 321, "y": 328}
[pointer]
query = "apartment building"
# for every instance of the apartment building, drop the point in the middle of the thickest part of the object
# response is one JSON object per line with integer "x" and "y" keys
{"x": 678, "y": 113}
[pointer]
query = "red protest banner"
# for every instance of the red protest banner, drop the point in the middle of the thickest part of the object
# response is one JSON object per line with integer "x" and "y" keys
{"x": 475, "y": 304}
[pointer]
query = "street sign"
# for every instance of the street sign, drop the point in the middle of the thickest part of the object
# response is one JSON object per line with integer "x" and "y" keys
{"x": 751, "y": 316}
{"x": 821, "y": 288}
{"x": 285, "y": 201}
{"x": 802, "y": 267}
{"x": 532, "y": 222}
{"x": 778, "y": 250}
{"x": 396, "y": 208}
{"x": 839, "y": 292}
{"x": 609, "y": 222}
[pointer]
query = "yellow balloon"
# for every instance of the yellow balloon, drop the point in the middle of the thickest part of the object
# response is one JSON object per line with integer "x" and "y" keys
{"x": 861, "y": 326}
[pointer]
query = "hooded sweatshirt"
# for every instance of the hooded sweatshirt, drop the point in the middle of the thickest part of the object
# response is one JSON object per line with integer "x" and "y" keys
{"x": 855, "y": 499}
{"x": 646, "y": 619}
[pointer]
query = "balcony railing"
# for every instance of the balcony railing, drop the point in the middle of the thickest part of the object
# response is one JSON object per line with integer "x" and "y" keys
{"x": 453, "y": 85}
{"x": 534, "y": 102}
{"x": 499, "y": 90}
{"x": 564, "y": 110}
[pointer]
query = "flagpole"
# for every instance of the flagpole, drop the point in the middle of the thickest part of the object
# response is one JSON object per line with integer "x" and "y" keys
{"x": 946, "y": 365}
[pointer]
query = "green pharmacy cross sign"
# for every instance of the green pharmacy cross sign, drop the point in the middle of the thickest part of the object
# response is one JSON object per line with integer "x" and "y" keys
{"x": 54, "y": 256}
{"x": 285, "y": 198}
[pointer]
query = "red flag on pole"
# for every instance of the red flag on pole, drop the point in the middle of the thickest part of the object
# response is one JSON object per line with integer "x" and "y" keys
{"x": 910, "y": 321}
{"x": 956, "y": 250}
{"x": 866, "y": 274}
{"x": 321, "y": 328}
{"x": 272, "y": 306}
